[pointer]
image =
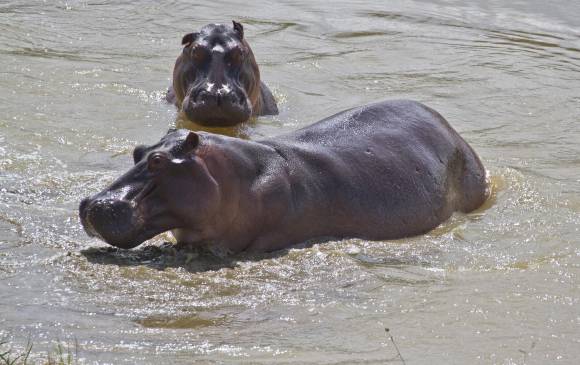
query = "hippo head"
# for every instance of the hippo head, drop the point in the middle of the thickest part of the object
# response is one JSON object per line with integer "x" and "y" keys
{"x": 216, "y": 79}
{"x": 169, "y": 187}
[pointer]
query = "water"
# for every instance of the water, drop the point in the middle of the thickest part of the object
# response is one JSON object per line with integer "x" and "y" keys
{"x": 82, "y": 82}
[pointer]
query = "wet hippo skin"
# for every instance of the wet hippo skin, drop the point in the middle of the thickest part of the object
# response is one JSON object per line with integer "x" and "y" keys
{"x": 216, "y": 80}
{"x": 382, "y": 171}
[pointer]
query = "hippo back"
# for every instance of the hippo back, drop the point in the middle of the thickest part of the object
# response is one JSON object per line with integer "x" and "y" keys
{"x": 399, "y": 161}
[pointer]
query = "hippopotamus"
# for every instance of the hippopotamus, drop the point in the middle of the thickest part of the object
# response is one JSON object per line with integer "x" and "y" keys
{"x": 383, "y": 171}
{"x": 216, "y": 80}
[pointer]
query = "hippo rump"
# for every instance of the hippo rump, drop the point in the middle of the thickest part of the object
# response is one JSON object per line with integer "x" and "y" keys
{"x": 216, "y": 80}
{"x": 382, "y": 171}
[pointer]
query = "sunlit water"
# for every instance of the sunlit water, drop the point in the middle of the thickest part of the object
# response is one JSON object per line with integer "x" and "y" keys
{"x": 82, "y": 82}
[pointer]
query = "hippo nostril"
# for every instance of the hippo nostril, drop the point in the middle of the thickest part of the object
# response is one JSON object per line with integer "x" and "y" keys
{"x": 209, "y": 98}
{"x": 197, "y": 95}
{"x": 204, "y": 95}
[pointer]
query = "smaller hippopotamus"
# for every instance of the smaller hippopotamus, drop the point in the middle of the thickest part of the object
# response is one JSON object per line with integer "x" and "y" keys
{"x": 216, "y": 80}
{"x": 382, "y": 171}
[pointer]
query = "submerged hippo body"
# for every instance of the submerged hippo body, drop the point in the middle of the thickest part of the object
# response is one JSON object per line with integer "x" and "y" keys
{"x": 216, "y": 80}
{"x": 382, "y": 171}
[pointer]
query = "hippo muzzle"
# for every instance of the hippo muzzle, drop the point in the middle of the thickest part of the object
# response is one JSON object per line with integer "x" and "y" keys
{"x": 223, "y": 105}
{"x": 118, "y": 217}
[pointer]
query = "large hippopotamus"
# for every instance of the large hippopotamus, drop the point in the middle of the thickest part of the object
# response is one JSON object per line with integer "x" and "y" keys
{"x": 382, "y": 171}
{"x": 216, "y": 80}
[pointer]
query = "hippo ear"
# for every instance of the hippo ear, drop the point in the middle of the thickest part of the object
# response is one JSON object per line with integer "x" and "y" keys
{"x": 191, "y": 141}
{"x": 189, "y": 39}
{"x": 238, "y": 28}
{"x": 138, "y": 153}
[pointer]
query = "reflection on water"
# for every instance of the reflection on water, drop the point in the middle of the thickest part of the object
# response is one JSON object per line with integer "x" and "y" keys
{"x": 239, "y": 131}
{"x": 84, "y": 82}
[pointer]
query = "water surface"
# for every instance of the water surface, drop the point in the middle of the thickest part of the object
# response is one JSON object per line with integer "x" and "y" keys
{"x": 82, "y": 83}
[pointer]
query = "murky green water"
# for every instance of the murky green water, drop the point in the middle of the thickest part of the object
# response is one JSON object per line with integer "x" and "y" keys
{"x": 82, "y": 82}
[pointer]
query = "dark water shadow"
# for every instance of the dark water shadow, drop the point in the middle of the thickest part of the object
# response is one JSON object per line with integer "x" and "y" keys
{"x": 193, "y": 259}
{"x": 239, "y": 131}
{"x": 168, "y": 255}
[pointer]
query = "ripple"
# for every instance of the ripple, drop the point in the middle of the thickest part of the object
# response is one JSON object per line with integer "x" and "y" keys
{"x": 184, "y": 322}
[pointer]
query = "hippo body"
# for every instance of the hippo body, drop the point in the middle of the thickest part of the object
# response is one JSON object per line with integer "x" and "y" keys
{"x": 216, "y": 80}
{"x": 383, "y": 171}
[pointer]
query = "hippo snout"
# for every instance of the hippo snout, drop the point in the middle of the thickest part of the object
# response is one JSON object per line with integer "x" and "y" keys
{"x": 112, "y": 220}
{"x": 83, "y": 207}
{"x": 225, "y": 106}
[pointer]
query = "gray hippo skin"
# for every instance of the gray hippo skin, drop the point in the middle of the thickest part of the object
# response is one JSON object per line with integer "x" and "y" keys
{"x": 382, "y": 171}
{"x": 216, "y": 80}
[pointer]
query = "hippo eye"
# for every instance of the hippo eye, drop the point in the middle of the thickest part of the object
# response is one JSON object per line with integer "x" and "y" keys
{"x": 234, "y": 57}
{"x": 198, "y": 54}
{"x": 138, "y": 153}
{"x": 156, "y": 161}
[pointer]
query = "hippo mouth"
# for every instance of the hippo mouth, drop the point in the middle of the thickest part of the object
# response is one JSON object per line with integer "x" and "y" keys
{"x": 120, "y": 222}
{"x": 217, "y": 110}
